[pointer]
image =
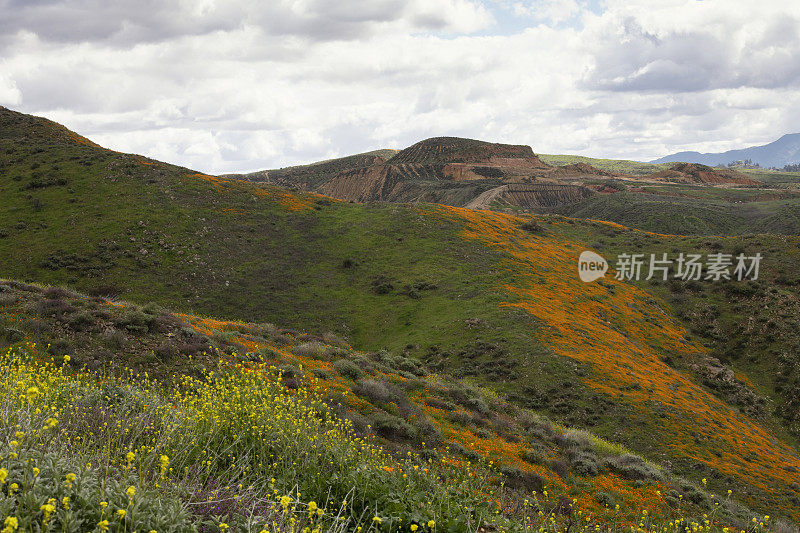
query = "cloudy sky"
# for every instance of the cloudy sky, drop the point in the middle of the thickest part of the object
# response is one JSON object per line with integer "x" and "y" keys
{"x": 223, "y": 86}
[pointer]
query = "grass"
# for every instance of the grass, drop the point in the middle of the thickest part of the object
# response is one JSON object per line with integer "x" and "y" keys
{"x": 622, "y": 166}
{"x": 150, "y": 232}
{"x": 91, "y": 452}
{"x": 680, "y": 210}
{"x": 189, "y": 410}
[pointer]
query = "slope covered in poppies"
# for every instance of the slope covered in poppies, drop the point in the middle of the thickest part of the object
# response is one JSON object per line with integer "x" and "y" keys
{"x": 487, "y": 298}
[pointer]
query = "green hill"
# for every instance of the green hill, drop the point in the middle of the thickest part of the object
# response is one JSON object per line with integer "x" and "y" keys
{"x": 621, "y": 166}
{"x": 485, "y": 297}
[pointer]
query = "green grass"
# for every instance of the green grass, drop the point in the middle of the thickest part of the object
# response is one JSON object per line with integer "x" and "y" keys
{"x": 183, "y": 453}
{"x": 155, "y": 233}
{"x": 681, "y": 210}
{"x": 623, "y": 166}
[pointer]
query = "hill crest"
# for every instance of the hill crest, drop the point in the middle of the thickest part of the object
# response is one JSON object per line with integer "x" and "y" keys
{"x": 779, "y": 153}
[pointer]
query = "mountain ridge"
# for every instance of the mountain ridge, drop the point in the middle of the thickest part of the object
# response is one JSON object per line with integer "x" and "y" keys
{"x": 779, "y": 153}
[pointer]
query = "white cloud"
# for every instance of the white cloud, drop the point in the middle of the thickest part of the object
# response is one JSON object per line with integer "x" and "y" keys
{"x": 224, "y": 86}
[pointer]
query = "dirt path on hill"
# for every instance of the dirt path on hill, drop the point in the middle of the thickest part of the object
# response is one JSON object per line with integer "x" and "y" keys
{"x": 484, "y": 200}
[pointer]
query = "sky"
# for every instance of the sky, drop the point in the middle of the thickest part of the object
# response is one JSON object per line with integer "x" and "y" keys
{"x": 238, "y": 86}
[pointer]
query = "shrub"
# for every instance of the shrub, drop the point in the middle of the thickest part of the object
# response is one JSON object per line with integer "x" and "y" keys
{"x": 57, "y": 308}
{"x": 290, "y": 371}
{"x": 115, "y": 339}
{"x": 633, "y": 467}
{"x": 12, "y": 335}
{"x": 483, "y": 433}
{"x": 527, "y": 481}
{"x": 348, "y": 369}
{"x": 479, "y": 405}
{"x": 81, "y": 321}
{"x": 321, "y": 374}
{"x": 57, "y": 293}
{"x": 135, "y": 320}
{"x": 166, "y": 351}
{"x": 459, "y": 417}
{"x": 560, "y": 467}
{"x": 314, "y": 350}
{"x": 363, "y": 363}
{"x": 382, "y": 285}
{"x": 376, "y": 391}
{"x": 585, "y": 464}
{"x": 105, "y": 291}
{"x": 193, "y": 345}
{"x": 605, "y": 499}
{"x": 532, "y": 226}
{"x": 536, "y": 454}
{"x": 392, "y": 427}
{"x": 61, "y": 347}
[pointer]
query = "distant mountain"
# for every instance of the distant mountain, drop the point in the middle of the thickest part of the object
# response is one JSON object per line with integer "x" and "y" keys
{"x": 784, "y": 151}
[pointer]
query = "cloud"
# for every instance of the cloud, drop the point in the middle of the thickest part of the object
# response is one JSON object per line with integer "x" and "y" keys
{"x": 239, "y": 86}
{"x": 131, "y": 22}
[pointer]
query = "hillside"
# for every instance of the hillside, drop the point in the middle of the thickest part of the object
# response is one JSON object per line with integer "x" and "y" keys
{"x": 489, "y": 298}
{"x": 784, "y": 151}
{"x": 390, "y": 401}
{"x": 511, "y": 178}
{"x": 446, "y": 170}
{"x": 617, "y": 166}
{"x": 702, "y": 174}
{"x": 313, "y": 175}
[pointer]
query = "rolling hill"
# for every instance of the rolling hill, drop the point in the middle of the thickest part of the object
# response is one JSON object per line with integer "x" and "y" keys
{"x": 479, "y": 174}
{"x": 490, "y": 299}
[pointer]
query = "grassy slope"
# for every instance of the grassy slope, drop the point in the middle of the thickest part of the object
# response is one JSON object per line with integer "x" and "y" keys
{"x": 693, "y": 211}
{"x": 622, "y": 166}
{"x": 235, "y": 249}
{"x": 392, "y": 400}
{"x": 315, "y": 174}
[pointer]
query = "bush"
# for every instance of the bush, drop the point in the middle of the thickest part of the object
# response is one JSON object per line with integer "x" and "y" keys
{"x": 82, "y": 321}
{"x": 135, "y": 320}
{"x": 483, "y": 433}
{"x": 314, "y": 350}
{"x": 382, "y": 285}
{"x": 348, "y": 369}
{"x": 534, "y": 455}
{"x": 290, "y": 371}
{"x": 12, "y": 335}
{"x": 605, "y": 499}
{"x": 532, "y": 226}
{"x": 585, "y": 464}
{"x": 392, "y": 427}
{"x": 459, "y": 417}
{"x": 479, "y": 405}
{"x": 633, "y": 467}
{"x": 560, "y": 467}
{"x": 321, "y": 374}
{"x": 375, "y": 391}
{"x": 527, "y": 481}
{"x": 166, "y": 351}
{"x": 61, "y": 347}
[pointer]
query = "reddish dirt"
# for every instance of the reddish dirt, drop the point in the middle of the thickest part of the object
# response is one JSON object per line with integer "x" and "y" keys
{"x": 695, "y": 173}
